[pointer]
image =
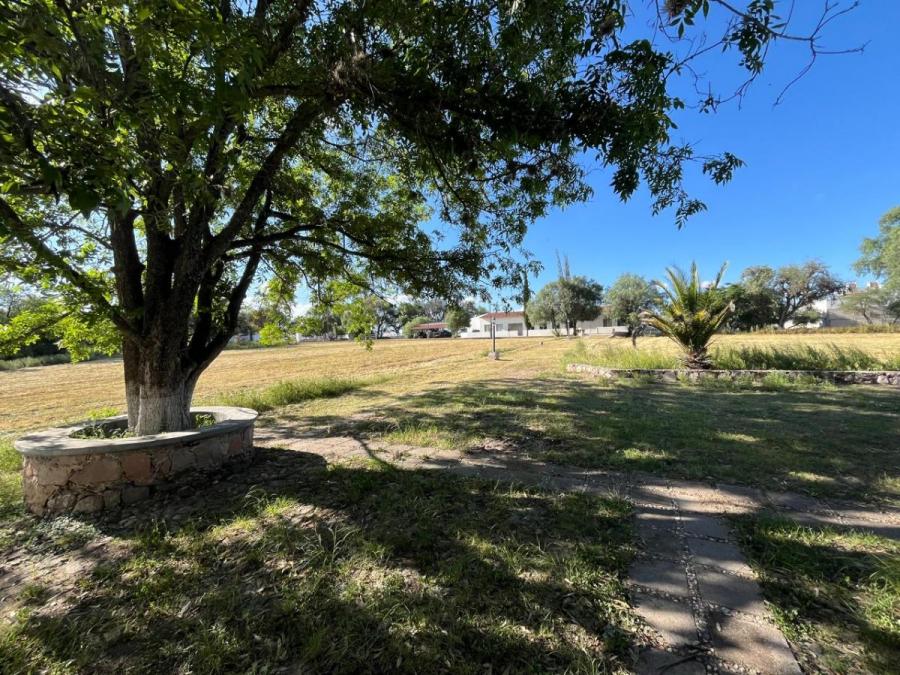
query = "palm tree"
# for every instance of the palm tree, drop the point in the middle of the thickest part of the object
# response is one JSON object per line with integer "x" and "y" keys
{"x": 693, "y": 313}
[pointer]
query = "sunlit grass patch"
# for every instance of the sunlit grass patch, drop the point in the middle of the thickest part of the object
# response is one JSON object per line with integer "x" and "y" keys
{"x": 728, "y": 356}
{"x": 620, "y": 356}
{"x": 430, "y": 436}
{"x": 836, "y": 594}
{"x": 800, "y": 357}
{"x": 356, "y": 569}
{"x": 737, "y": 438}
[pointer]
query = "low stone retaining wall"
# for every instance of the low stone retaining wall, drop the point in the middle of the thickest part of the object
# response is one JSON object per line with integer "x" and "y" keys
{"x": 884, "y": 377}
{"x": 85, "y": 475}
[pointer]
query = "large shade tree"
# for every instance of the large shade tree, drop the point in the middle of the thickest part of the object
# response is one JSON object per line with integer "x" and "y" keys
{"x": 157, "y": 156}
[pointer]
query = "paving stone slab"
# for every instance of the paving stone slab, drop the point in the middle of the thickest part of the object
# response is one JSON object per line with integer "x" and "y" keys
{"x": 723, "y": 555}
{"x": 659, "y": 662}
{"x": 751, "y": 644}
{"x": 742, "y": 495}
{"x": 662, "y": 576}
{"x": 674, "y": 621}
{"x": 651, "y": 496}
{"x": 727, "y": 590}
{"x": 795, "y": 502}
{"x": 662, "y": 518}
{"x": 705, "y": 526}
{"x": 660, "y": 542}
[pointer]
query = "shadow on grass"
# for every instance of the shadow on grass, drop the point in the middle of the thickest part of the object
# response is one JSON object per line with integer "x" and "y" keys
{"x": 830, "y": 442}
{"x": 840, "y": 590}
{"x": 353, "y": 568}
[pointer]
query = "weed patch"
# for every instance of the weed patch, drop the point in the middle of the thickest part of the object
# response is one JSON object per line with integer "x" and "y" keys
{"x": 290, "y": 392}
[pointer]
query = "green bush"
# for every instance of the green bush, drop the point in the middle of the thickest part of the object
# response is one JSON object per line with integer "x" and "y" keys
{"x": 33, "y": 361}
{"x": 289, "y": 392}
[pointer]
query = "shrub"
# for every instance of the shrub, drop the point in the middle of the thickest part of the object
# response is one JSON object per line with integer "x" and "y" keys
{"x": 33, "y": 361}
{"x": 692, "y": 314}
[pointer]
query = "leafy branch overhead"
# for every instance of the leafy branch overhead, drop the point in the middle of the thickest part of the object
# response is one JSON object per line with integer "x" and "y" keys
{"x": 157, "y": 156}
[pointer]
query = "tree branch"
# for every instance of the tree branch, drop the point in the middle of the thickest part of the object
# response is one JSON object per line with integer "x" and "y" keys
{"x": 11, "y": 224}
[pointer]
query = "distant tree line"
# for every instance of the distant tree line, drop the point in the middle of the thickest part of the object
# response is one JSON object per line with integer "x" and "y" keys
{"x": 34, "y": 323}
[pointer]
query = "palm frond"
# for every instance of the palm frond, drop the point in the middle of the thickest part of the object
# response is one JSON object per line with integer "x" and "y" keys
{"x": 692, "y": 314}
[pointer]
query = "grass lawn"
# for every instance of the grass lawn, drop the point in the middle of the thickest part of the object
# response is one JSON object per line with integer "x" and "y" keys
{"x": 359, "y": 567}
{"x": 836, "y": 595}
{"x": 823, "y": 440}
{"x": 353, "y": 568}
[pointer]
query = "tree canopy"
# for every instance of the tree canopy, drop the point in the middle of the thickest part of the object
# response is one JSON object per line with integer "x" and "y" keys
{"x": 881, "y": 254}
{"x": 567, "y": 301}
{"x": 157, "y": 156}
{"x": 630, "y": 296}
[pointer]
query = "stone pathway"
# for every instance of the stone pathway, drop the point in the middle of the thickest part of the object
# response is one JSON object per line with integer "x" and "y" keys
{"x": 696, "y": 592}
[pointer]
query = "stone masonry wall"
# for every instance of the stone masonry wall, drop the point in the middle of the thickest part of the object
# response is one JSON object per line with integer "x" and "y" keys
{"x": 885, "y": 377}
{"x": 87, "y": 483}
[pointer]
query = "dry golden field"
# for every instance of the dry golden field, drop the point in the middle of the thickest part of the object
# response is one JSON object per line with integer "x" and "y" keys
{"x": 51, "y": 395}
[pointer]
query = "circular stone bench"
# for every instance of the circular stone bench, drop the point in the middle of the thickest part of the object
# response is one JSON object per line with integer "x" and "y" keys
{"x": 85, "y": 475}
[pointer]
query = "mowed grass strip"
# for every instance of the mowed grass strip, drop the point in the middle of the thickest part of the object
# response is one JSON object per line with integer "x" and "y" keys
{"x": 836, "y": 595}
{"x": 354, "y": 568}
{"x": 824, "y": 440}
{"x": 40, "y": 397}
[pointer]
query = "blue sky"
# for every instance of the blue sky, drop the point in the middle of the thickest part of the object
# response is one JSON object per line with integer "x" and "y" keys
{"x": 821, "y": 168}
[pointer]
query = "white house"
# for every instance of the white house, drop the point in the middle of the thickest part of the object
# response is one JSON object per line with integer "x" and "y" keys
{"x": 833, "y": 313}
{"x": 512, "y": 324}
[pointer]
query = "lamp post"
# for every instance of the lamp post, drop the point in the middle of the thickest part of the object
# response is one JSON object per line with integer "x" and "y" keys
{"x": 493, "y": 333}
{"x": 494, "y": 354}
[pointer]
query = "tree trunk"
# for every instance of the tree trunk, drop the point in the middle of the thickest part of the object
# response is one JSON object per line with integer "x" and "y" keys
{"x": 159, "y": 386}
{"x": 165, "y": 407}
{"x": 131, "y": 360}
{"x": 697, "y": 359}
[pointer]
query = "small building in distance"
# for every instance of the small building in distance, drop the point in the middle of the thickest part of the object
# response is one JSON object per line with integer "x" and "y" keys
{"x": 834, "y": 312}
{"x": 512, "y": 324}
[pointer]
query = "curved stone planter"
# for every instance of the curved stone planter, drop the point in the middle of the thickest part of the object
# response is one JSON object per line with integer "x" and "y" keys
{"x": 883, "y": 377}
{"x": 64, "y": 474}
